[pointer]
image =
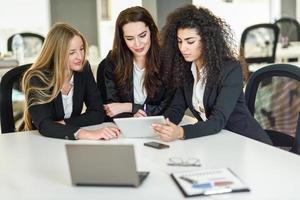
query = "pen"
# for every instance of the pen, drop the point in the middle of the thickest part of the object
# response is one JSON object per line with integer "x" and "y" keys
{"x": 222, "y": 183}
{"x": 202, "y": 185}
{"x": 189, "y": 180}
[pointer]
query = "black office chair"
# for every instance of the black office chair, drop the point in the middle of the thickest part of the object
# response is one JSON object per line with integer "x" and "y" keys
{"x": 296, "y": 147}
{"x": 289, "y": 27}
{"x": 10, "y": 83}
{"x": 258, "y": 43}
{"x": 32, "y": 43}
{"x": 272, "y": 96}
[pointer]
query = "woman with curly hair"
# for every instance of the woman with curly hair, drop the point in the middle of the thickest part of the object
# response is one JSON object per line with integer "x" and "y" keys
{"x": 129, "y": 77}
{"x": 199, "y": 59}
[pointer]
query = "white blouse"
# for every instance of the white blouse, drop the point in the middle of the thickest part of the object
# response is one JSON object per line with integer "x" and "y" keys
{"x": 68, "y": 100}
{"x": 198, "y": 91}
{"x": 139, "y": 93}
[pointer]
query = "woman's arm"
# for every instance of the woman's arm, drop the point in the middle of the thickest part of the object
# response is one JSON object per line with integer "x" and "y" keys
{"x": 225, "y": 102}
{"x": 176, "y": 110}
{"x": 108, "y": 87}
{"x": 44, "y": 120}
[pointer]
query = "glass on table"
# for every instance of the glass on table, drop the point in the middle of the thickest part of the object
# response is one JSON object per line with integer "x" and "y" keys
{"x": 189, "y": 162}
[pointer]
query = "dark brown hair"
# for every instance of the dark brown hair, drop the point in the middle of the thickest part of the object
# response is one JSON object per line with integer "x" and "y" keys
{"x": 123, "y": 57}
{"x": 216, "y": 36}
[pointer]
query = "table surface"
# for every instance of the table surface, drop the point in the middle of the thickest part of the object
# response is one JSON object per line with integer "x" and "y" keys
{"x": 36, "y": 167}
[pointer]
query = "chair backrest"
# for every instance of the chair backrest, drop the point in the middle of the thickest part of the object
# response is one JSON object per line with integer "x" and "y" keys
{"x": 289, "y": 27}
{"x": 296, "y": 147}
{"x": 32, "y": 43}
{"x": 272, "y": 95}
{"x": 259, "y": 42}
{"x": 10, "y": 94}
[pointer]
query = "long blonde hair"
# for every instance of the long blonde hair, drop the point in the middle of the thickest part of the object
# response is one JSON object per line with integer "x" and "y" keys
{"x": 48, "y": 70}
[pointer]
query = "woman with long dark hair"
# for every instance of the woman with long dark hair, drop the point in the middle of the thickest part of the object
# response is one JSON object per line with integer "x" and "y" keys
{"x": 200, "y": 60}
{"x": 129, "y": 77}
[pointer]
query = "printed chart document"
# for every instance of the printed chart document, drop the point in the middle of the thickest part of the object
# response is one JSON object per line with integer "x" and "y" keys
{"x": 208, "y": 182}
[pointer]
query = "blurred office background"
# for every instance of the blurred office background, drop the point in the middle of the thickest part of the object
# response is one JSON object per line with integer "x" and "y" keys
{"x": 254, "y": 23}
{"x": 95, "y": 18}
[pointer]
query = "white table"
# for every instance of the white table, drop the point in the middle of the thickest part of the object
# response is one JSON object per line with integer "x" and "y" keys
{"x": 35, "y": 167}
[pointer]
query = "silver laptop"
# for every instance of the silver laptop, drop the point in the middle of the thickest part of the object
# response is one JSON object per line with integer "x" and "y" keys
{"x": 103, "y": 165}
{"x": 138, "y": 127}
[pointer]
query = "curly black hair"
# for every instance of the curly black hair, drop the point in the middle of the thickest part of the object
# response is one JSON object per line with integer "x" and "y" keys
{"x": 218, "y": 44}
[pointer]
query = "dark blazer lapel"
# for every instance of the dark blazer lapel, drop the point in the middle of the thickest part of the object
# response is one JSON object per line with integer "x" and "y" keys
{"x": 59, "y": 108}
{"x": 130, "y": 92}
{"x": 188, "y": 92}
{"x": 76, "y": 92}
{"x": 207, "y": 90}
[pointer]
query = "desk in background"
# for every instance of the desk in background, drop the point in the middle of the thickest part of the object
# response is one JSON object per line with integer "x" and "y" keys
{"x": 290, "y": 53}
{"x": 36, "y": 167}
{"x": 255, "y": 67}
{"x": 6, "y": 65}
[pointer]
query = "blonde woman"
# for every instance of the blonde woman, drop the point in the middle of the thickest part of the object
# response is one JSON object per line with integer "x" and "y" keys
{"x": 57, "y": 85}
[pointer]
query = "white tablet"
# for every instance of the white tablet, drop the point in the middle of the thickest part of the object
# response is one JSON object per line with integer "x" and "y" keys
{"x": 135, "y": 127}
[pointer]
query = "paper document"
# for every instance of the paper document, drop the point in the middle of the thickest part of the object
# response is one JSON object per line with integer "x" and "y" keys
{"x": 208, "y": 182}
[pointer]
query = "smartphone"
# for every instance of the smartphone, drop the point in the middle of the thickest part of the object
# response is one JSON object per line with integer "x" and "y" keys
{"x": 156, "y": 145}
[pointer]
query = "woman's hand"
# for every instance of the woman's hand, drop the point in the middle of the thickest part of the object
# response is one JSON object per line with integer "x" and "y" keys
{"x": 114, "y": 109}
{"x": 140, "y": 113}
{"x": 106, "y": 133}
{"x": 169, "y": 131}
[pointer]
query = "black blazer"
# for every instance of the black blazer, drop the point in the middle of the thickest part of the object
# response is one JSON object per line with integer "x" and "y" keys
{"x": 224, "y": 104}
{"x": 85, "y": 91}
{"x": 111, "y": 93}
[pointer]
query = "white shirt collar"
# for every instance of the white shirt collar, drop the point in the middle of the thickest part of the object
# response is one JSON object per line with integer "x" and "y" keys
{"x": 194, "y": 71}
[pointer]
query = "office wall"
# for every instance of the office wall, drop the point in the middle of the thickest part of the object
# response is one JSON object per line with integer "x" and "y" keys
{"x": 82, "y": 14}
{"x": 22, "y": 15}
{"x": 240, "y": 14}
{"x": 151, "y": 6}
{"x": 107, "y": 26}
{"x": 164, "y": 7}
{"x": 288, "y": 8}
{"x": 298, "y": 10}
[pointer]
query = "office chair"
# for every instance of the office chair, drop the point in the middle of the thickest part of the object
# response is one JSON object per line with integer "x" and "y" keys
{"x": 258, "y": 43}
{"x": 296, "y": 147}
{"x": 10, "y": 83}
{"x": 289, "y": 27}
{"x": 272, "y": 96}
{"x": 32, "y": 43}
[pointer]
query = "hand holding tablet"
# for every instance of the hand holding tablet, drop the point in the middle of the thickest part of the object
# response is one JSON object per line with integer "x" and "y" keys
{"x": 138, "y": 127}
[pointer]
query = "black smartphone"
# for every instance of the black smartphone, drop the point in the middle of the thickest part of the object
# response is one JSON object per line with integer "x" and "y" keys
{"x": 156, "y": 145}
